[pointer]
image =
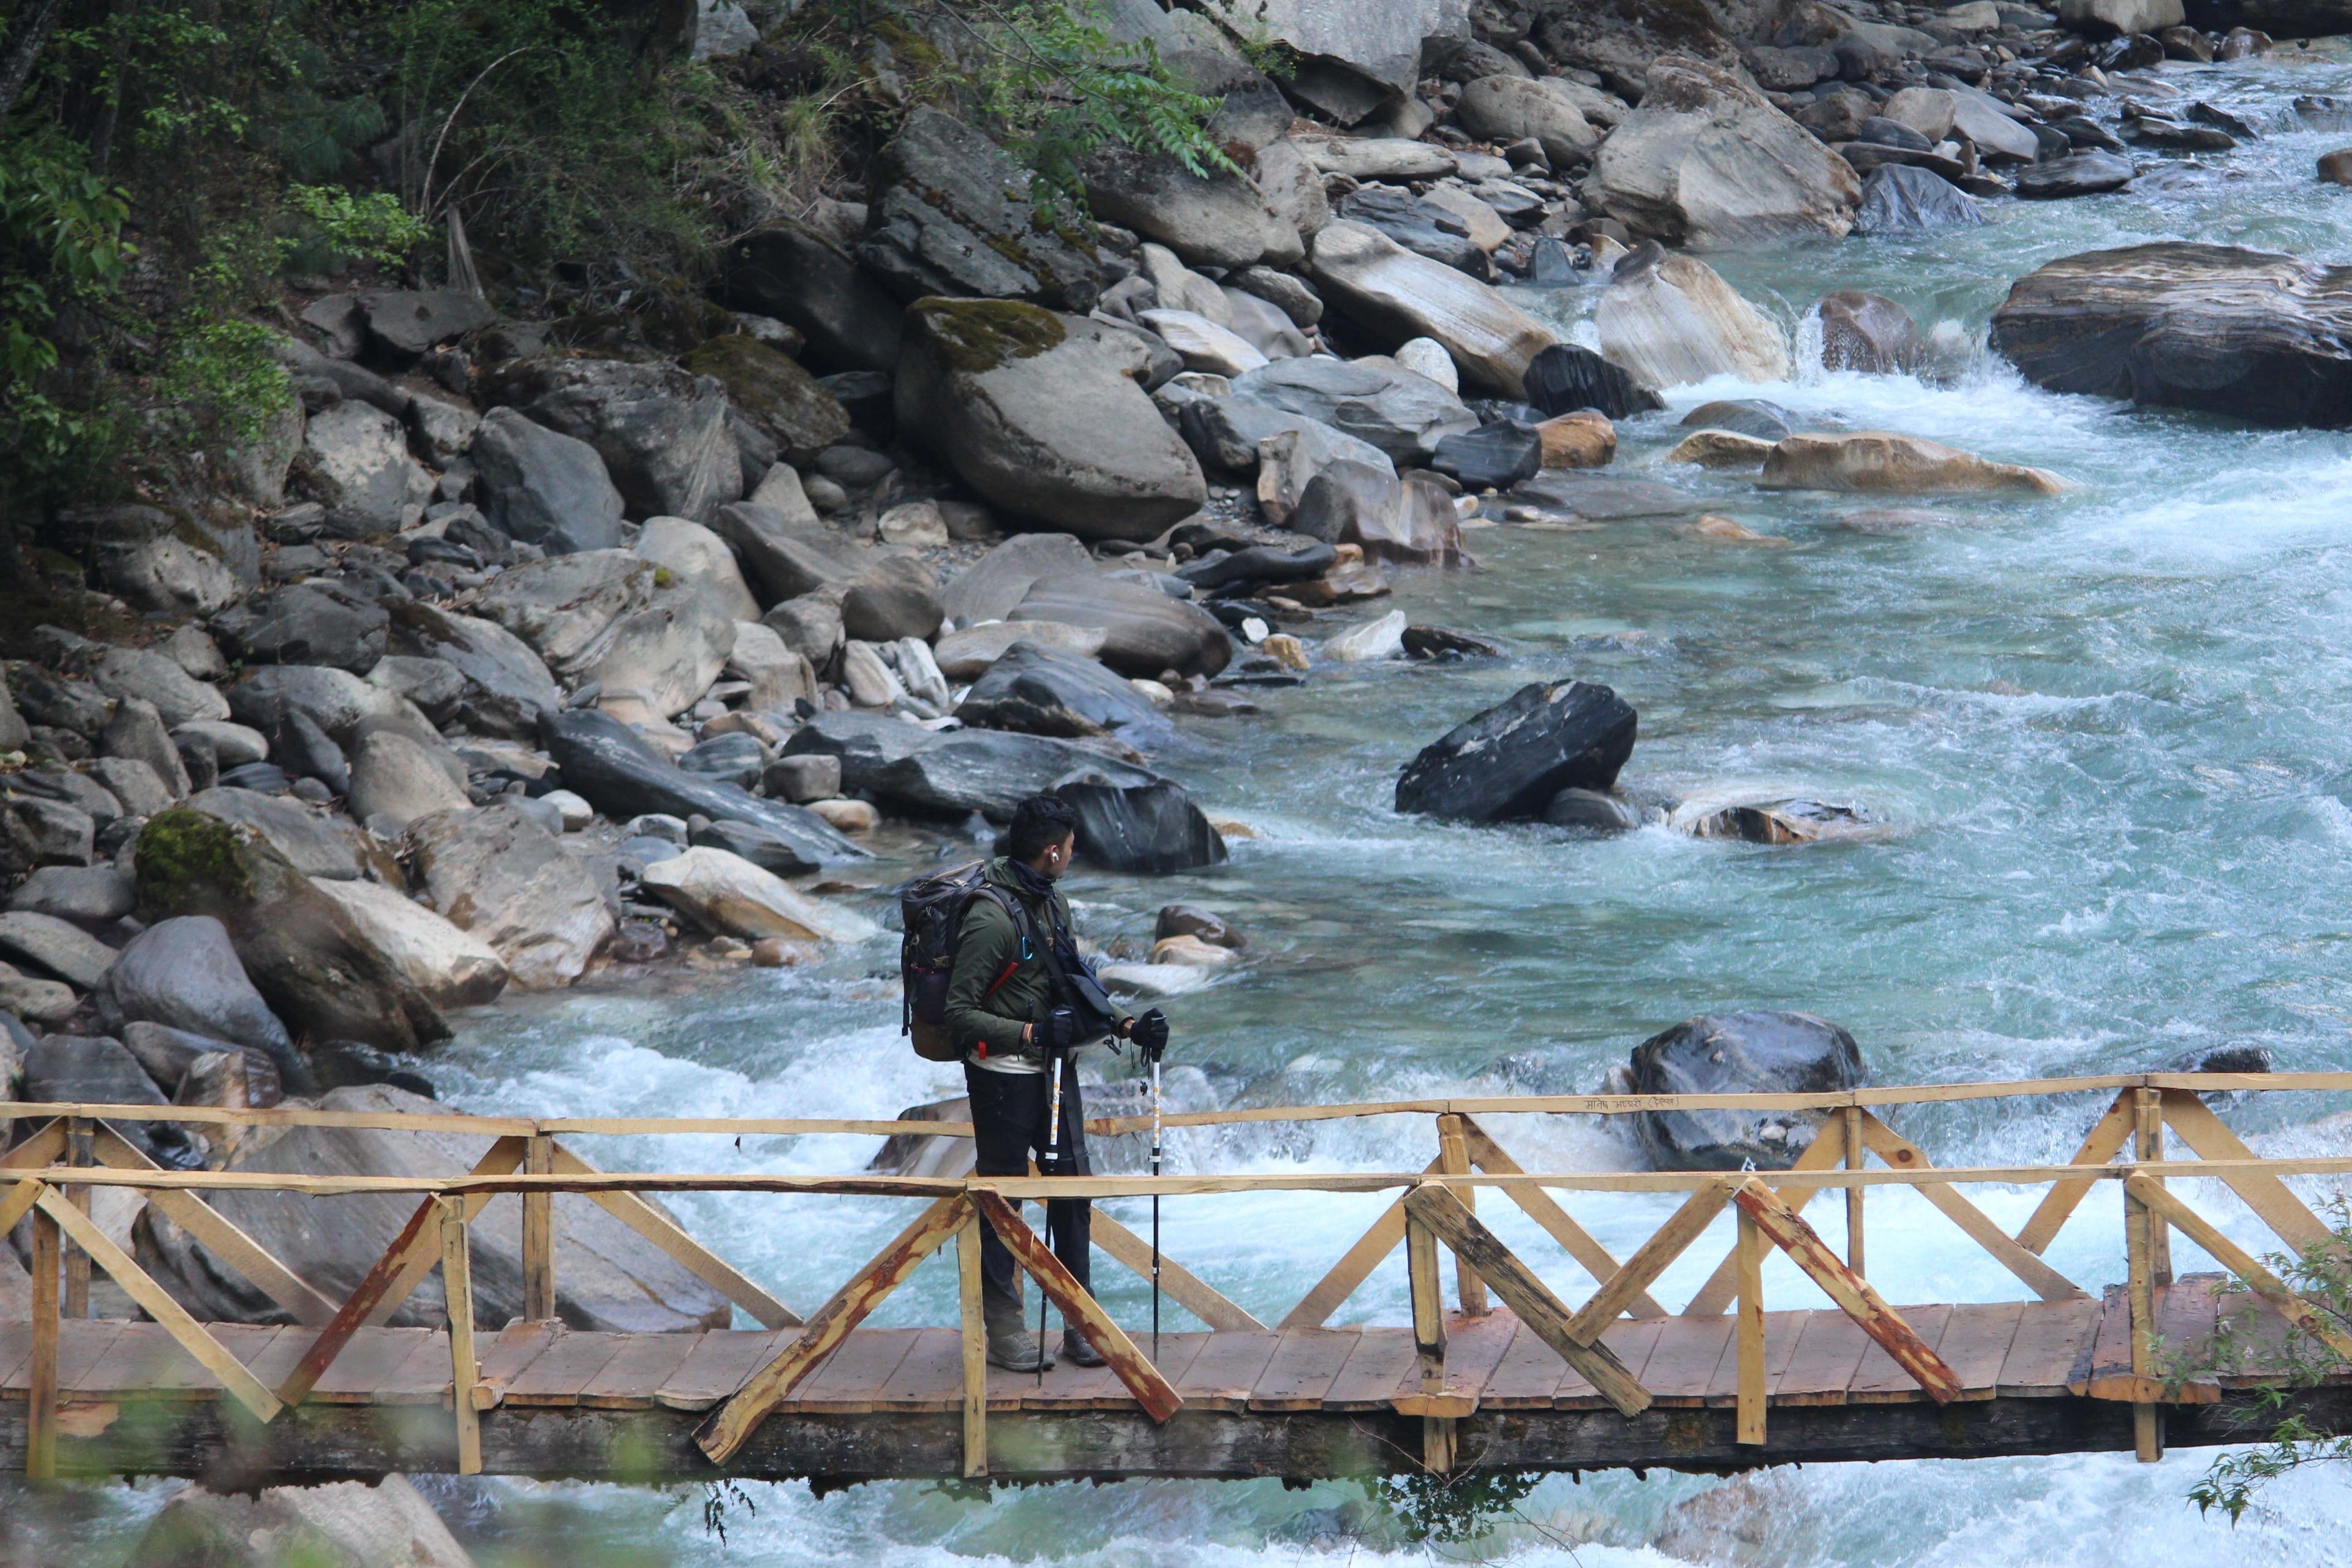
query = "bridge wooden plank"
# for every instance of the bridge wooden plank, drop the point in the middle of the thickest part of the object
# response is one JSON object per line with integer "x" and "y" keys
{"x": 558, "y": 1373}
{"x": 1227, "y": 1368}
{"x": 1474, "y": 1348}
{"x": 1632, "y": 1340}
{"x": 1976, "y": 1344}
{"x": 1526, "y": 1378}
{"x": 1782, "y": 1332}
{"x": 140, "y": 1355}
{"x": 1880, "y": 1379}
{"x": 627, "y": 1381}
{"x": 1822, "y": 1366}
{"x": 2107, "y": 1353}
{"x": 1376, "y": 1372}
{"x": 83, "y": 1346}
{"x": 1073, "y": 1387}
{"x": 2050, "y": 1335}
{"x": 718, "y": 1366}
{"x": 424, "y": 1377}
{"x": 1177, "y": 1354}
{"x": 847, "y": 1381}
{"x": 515, "y": 1347}
{"x": 2185, "y": 1313}
{"x": 1683, "y": 1364}
{"x": 369, "y": 1358}
{"x": 930, "y": 1378}
{"x": 2264, "y": 1332}
{"x": 1305, "y": 1364}
{"x": 249, "y": 1342}
{"x": 15, "y": 1349}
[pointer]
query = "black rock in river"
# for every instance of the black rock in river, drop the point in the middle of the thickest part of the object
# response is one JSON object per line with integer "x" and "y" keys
{"x": 1739, "y": 1053}
{"x": 1507, "y": 763}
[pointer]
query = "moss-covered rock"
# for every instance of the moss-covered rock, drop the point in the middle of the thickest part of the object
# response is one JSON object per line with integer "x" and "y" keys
{"x": 309, "y": 960}
{"x": 975, "y": 336}
{"x": 773, "y": 393}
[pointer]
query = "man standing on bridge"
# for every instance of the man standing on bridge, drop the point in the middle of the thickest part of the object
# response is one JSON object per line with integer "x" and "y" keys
{"x": 1022, "y": 1003}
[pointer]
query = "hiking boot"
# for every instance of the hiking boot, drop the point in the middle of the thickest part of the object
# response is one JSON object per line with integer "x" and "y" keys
{"x": 1077, "y": 1351}
{"x": 1016, "y": 1350}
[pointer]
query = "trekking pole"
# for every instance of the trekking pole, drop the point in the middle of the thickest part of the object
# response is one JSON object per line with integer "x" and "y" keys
{"x": 1155, "y": 1207}
{"x": 1053, "y": 1162}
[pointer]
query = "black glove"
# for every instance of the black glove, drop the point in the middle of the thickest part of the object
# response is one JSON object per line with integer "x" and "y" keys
{"x": 1149, "y": 1033}
{"x": 1059, "y": 1031}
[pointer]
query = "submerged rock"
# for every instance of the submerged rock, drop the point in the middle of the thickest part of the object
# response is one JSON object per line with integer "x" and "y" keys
{"x": 1043, "y": 691}
{"x": 1882, "y": 461}
{"x": 1739, "y": 1053}
{"x": 342, "y": 1524}
{"x": 1150, "y": 828}
{"x": 1508, "y": 761}
{"x": 1795, "y": 821}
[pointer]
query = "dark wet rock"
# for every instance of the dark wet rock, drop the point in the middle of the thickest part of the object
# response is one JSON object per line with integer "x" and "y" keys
{"x": 305, "y": 623}
{"x": 608, "y": 1277}
{"x": 306, "y": 957}
{"x": 1741, "y": 1053}
{"x": 2082, "y": 131}
{"x": 1042, "y": 691}
{"x": 1445, "y": 642}
{"x": 2253, "y": 334}
{"x": 1508, "y": 761}
{"x": 1419, "y": 226}
{"x": 509, "y": 691}
{"x": 96, "y": 1069}
{"x": 1566, "y": 377}
{"x": 1745, "y": 416}
{"x": 1493, "y": 457}
{"x": 606, "y": 764}
{"x": 2149, "y": 130}
{"x": 950, "y": 214}
{"x": 1898, "y": 199}
{"x": 1257, "y": 566}
{"x": 791, "y": 272}
{"x": 543, "y": 487}
{"x": 764, "y": 847}
{"x": 1599, "y": 498}
{"x": 1150, "y": 829}
{"x": 661, "y": 431}
{"x": 782, "y": 401}
{"x": 732, "y": 759}
{"x": 1403, "y": 415}
{"x": 1866, "y": 332}
{"x": 955, "y": 772}
{"x": 1593, "y": 811}
{"x": 1145, "y": 631}
{"x": 2082, "y": 175}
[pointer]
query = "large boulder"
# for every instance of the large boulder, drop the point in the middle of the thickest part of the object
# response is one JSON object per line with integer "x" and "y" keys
{"x": 314, "y": 966}
{"x": 1045, "y": 691}
{"x": 157, "y": 677}
{"x": 507, "y": 688}
{"x": 455, "y": 968}
{"x": 661, "y": 431}
{"x": 787, "y": 558}
{"x": 1517, "y": 107}
{"x": 1378, "y": 283}
{"x": 1706, "y": 160}
{"x": 1899, "y": 199}
{"x": 785, "y": 403}
{"x": 2249, "y": 333}
{"x": 2090, "y": 173}
{"x": 167, "y": 575}
{"x": 726, "y": 893}
{"x": 97, "y": 1069}
{"x": 1383, "y": 405}
{"x": 667, "y": 653}
{"x": 395, "y": 781}
{"x": 1507, "y": 763}
{"x": 407, "y": 321}
{"x": 609, "y": 765}
{"x": 1219, "y": 219}
{"x": 991, "y": 587}
{"x": 1043, "y": 416}
{"x": 1673, "y": 319}
{"x": 342, "y": 1524}
{"x": 495, "y": 872}
{"x": 955, "y": 772}
{"x": 1882, "y": 462}
{"x": 1866, "y": 332}
{"x": 544, "y": 487}
{"x": 305, "y": 623}
{"x": 360, "y": 466}
{"x": 800, "y": 278}
{"x": 1144, "y": 630}
{"x": 949, "y": 214}
{"x": 608, "y": 1277}
{"x": 697, "y": 558}
{"x": 1739, "y": 1053}
{"x": 321, "y": 845}
{"x": 1568, "y": 377}
{"x": 338, "y": 701}
{"x": 566, "y": 606}
{"x": 1153, "y": 829}
{"x": 1375, "y": 47}
{"x": 92, "y": 897}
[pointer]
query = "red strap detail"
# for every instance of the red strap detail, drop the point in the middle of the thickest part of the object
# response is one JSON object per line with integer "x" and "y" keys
{"x": 1001, "y": 979}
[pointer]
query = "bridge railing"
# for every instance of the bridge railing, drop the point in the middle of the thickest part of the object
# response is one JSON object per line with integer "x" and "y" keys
{"x": 70, "y": 1149}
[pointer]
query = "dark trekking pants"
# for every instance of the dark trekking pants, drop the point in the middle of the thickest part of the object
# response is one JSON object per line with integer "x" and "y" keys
{"x": 1009, "y": 1113}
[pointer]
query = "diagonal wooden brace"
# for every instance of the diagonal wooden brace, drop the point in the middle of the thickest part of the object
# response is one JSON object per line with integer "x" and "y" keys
{"x": 390, "y": 1279}
{"x": 1668, "y": 1242}
{"x": 1354, "y": 1268}
{"x": 2238, "y": 1261}
{"x": 1595, "y": 1258}
{"x": 1526, "y": 1295}
{"x": 1786, "y": 1230}
{"x": 1824, "y": 1153}
{"x": 727, "y": 1428}
{"x": 2271, "y": 1199}
{"x": 698, "y": 1260}
{"x": 1904, "y": 1156}
{"x": 223, "y": 1239}
{"x": 2108, "y": 1135}
{"x": 1154, "y": 1392}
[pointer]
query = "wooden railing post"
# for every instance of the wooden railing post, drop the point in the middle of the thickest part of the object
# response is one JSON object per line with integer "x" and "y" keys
{"x": 539, "y": 1232}
{"x": 2148, "y": 1111}
{"x": 41, "y": 1393}
{"x": 2148, "y": 1418}
{"x": 975, "y": 1348}
{"x": 1429, "y": 1338}
{"x": 78, "y": 1151}
{"x": 465, "y": 1371}
{"x": 1751, "y": 1331}
{"x": 1857, "y": 1153}
{"x": 1453, "y": 1158}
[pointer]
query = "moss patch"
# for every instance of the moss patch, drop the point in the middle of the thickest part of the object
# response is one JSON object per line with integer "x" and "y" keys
{"x": 773, "y": 392}
{"x": 976, "y": 336}
{"x": 189, "y": 863}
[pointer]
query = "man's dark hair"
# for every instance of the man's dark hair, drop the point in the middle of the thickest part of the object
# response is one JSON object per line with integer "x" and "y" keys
{"x": 1038, "y": 822}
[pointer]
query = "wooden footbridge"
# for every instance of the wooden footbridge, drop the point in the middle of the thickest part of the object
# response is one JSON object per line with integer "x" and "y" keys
{"x": 1501, "y": 1371}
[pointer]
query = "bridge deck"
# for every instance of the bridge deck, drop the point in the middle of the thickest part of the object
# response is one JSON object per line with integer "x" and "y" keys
{"x": 135, "y": 1400}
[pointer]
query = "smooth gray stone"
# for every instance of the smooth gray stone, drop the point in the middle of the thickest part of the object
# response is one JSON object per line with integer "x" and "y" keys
{"x": 608, "y": 764}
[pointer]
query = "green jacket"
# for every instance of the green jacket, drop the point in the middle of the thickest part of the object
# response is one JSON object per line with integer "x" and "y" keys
{"x": 989, "y": 943}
